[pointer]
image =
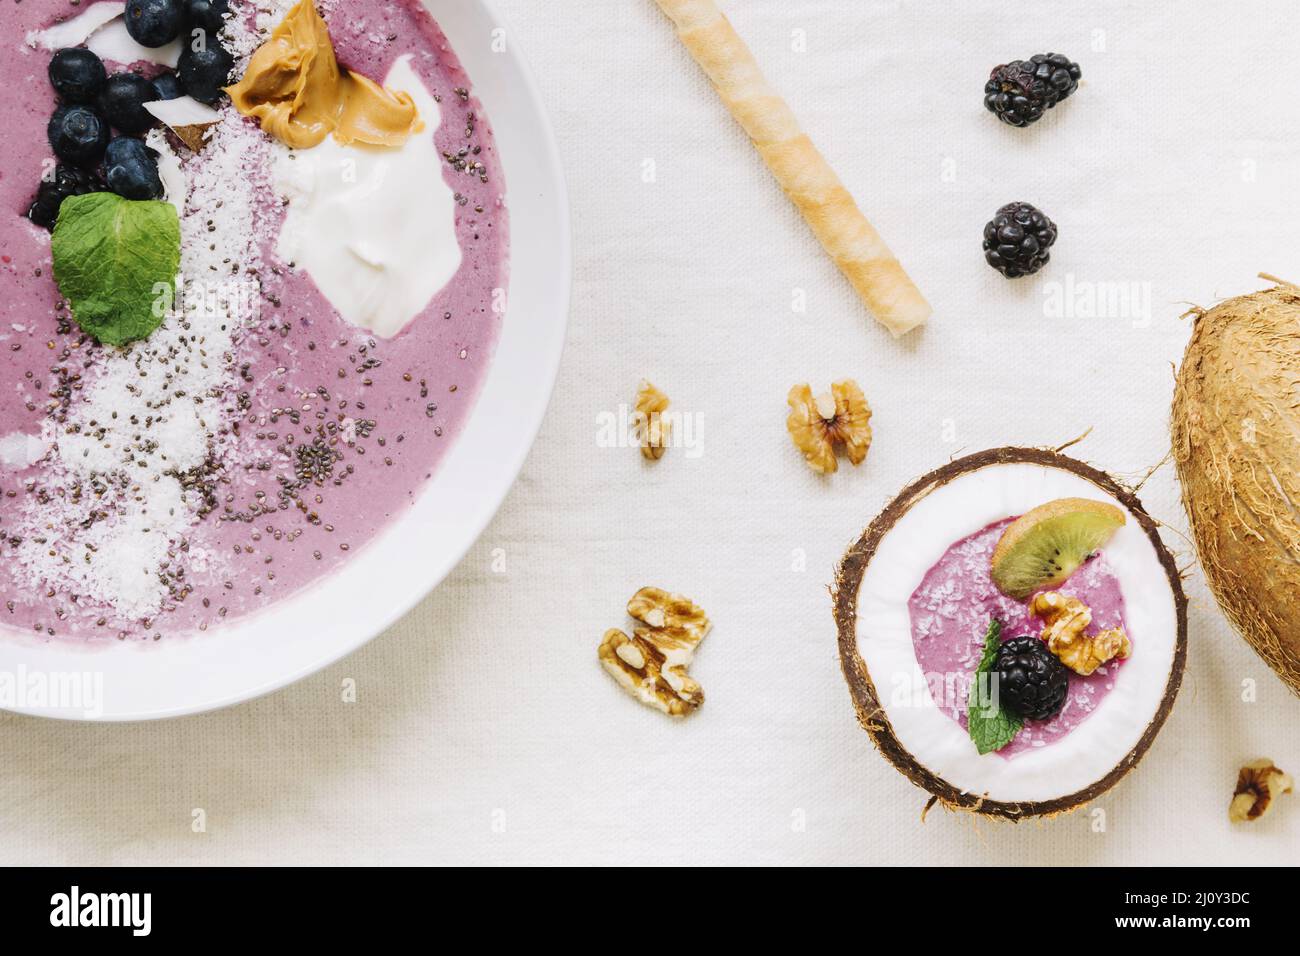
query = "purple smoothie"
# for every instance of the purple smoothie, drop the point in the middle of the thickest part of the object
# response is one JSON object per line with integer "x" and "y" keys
{"x": 950, "y": 612}
{"x": 376, "y": 416}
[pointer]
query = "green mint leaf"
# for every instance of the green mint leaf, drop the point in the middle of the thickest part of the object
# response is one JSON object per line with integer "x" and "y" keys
{"x": 990, "y": 728}
{"x": 115, "y": 261}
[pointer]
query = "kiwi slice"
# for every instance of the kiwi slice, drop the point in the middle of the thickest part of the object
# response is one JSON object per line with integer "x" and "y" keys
{"x": 1045, "y": 545}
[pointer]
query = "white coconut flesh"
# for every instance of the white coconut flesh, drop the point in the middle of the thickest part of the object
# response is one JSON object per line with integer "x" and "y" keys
{"x": 919, "y": 538}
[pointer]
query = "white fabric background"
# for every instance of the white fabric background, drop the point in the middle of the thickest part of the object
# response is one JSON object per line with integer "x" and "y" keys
{"x": 486, "y": 732}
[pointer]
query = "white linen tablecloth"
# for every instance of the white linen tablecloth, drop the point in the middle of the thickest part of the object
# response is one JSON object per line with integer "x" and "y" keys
{"x": 484, "y": 729}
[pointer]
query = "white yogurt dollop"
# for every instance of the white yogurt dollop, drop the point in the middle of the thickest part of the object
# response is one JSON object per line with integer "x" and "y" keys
{"x": 374, "y": 226}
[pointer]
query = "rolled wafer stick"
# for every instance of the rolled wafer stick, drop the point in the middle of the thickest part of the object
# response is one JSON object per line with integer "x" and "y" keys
{"x": 805, "y": 176}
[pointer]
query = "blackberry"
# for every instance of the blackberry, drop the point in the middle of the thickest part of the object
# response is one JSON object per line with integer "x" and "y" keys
{"x": 1018, "y": 239}
{"x": 1020, "y": 92}
{"x": 67, "y": 181}
{"x": 1031, "y": 681}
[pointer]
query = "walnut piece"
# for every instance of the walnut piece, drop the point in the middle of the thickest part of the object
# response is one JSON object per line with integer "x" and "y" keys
{"x": 838, "y": 417}
{"x": 194, "y": 135}
{"x": 1257, "y": 784}
{"x": 1066, "y": 619}
{"x": 651, "y": 427}
{"x": 652, "y": 664}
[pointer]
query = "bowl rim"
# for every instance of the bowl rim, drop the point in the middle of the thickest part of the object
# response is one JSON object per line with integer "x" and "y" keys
{"x": 529, "y": 422}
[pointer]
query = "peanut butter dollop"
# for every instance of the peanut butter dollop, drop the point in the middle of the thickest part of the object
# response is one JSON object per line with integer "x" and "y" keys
{"x": 299, "y": 93}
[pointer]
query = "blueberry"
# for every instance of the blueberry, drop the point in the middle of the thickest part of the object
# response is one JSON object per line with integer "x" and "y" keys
{"x": 204, "y": 71}
{"x": 122, "y": 102}
{"x": 209, "y": 15}
{"x": 167, "y": 87}
{"x": 77, "y": 134}
{"x": 126, "y": 149}
{"x": 131, "y": 170}
{"x": 76, "y": 74}
{"x": 154, "y": 23}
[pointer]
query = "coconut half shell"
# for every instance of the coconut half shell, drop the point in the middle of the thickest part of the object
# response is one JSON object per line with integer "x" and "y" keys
{"x": 1236, "y": 442}
{"x": 867, "y": 698}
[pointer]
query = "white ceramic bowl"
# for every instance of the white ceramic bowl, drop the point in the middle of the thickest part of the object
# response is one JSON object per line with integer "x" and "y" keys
{"x": 302, "y": 634}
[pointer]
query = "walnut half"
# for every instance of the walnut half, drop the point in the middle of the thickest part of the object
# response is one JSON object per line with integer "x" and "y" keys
{"x": 1065, "y": 621}
{"x": 651, "y": 426}
{"x": 1257, "y": 784}
{"x": 838, "y": 417}
{"x": 652, "y": 664}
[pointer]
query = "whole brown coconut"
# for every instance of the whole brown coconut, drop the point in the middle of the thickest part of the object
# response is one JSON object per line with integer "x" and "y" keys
{"x": 1236, "y": 442}
{"x": 870, "y": 703}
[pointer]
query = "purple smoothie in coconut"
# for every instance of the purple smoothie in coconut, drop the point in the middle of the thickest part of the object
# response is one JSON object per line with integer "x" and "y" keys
{"x": 950, "y": 612}
{"x": 258, "y": 438}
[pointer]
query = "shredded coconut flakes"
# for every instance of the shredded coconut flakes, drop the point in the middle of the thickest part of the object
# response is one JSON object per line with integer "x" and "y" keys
{"x": 135, "y": 461}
